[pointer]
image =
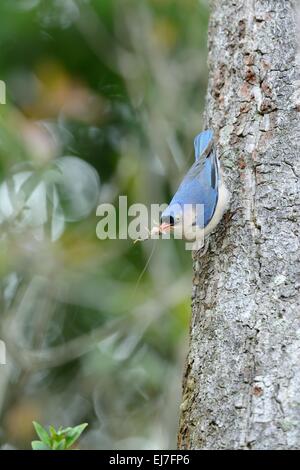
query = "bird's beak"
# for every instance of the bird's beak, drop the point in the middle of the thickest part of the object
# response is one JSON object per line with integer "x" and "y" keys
{"x": 164, "y": 228}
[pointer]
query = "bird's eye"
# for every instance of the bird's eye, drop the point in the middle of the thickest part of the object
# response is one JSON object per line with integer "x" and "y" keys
{"x": 169, "y": 219}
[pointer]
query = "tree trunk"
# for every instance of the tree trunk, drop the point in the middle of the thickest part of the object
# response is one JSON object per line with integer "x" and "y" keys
{"x": 242, "y": 379}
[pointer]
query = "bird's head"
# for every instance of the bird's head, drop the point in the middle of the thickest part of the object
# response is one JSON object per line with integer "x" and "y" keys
{"x": 179, "y": 219}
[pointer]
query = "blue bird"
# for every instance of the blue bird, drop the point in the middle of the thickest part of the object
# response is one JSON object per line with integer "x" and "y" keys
{"x": 202, "y": 197}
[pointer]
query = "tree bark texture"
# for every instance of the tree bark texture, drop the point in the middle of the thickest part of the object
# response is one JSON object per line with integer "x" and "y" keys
{"x": 242, "y": 380}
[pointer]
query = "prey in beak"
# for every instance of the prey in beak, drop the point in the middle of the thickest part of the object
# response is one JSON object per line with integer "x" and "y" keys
{"x": 166, "y": 224}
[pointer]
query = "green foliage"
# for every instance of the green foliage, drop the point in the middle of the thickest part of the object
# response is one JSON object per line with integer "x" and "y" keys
{"x": 119, "y": 84}
{"x": 61, "y": 439}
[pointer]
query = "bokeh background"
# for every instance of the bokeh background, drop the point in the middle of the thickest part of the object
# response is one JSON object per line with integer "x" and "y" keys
{"x": 103, "y": 98}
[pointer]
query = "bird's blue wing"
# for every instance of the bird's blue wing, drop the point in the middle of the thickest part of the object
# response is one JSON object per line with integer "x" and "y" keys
{"x": 201, "y": 183}
{"x": 203, "y": 142}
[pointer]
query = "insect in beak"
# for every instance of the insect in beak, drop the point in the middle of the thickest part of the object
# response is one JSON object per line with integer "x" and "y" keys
{"x": 165, "y": 228}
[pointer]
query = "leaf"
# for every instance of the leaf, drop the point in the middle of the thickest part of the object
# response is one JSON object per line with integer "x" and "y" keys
{"x": 74, "y": 433}
{"x": 60, "y": 439}
{"x": 52, "y": 432}
{"x": 42, "y": 433}
{"x": 61, "y": 445}
{"x": 39, "y": 445}
{"x": 64, "y": 431}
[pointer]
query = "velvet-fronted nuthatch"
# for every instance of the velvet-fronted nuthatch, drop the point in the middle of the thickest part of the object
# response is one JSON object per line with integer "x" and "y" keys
{"x": 202, "y": 197}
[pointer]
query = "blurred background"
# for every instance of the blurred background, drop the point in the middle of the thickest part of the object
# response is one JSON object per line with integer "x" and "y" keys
{"x": 103, "y": 98}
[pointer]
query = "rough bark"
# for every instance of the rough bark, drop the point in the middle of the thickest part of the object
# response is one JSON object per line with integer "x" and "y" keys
{"x": 242, "y": 379}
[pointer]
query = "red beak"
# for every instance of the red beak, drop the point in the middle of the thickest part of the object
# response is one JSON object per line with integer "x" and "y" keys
{"x": 163, "y": 228}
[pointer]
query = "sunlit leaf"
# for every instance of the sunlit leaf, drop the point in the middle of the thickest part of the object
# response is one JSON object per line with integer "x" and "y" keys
{"x": 42, "y": 433}
{"x": 74, "y": 434}
{"x": 39, "y": 445}
{"x": 59, "y": 445}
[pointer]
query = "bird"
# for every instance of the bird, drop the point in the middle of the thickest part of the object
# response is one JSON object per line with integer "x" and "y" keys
{"x": 202, "y": 197}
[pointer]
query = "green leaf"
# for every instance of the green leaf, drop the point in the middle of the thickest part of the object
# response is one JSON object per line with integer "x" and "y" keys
{"x": 39, "y": 445}
{"x": 52, "y": 432}
{"x": 64, "y": 431}
{"x": 60, "y": 439}
{"x": 74, "y": 433}
{"x": 42, "y": 433}
{"x": 61, "y": 445}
